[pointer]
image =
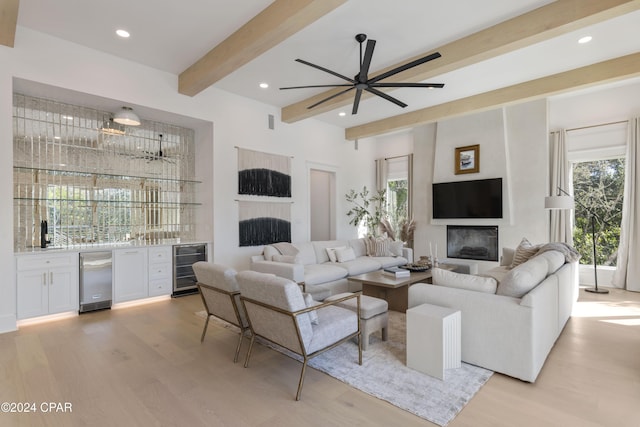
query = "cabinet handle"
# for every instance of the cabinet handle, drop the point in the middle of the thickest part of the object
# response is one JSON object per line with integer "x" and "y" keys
{"x": 44, "y": 279}
{"x": 51, "y": 278}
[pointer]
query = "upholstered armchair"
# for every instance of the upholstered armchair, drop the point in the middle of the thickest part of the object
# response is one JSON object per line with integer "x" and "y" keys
{"x": 221, "y": 297}
{"x": 277, "y": 312}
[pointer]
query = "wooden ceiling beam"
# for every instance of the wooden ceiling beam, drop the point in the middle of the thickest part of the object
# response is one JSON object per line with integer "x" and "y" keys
{"x": 270, "y": 27}
{"x": 603, "y": 72}
{"x": 8, "y": 21}
{"x": 540, "y": 24}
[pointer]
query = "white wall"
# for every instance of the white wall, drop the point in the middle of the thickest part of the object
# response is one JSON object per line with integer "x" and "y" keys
{"x": 225, "y": 121}
{"x": 513, "y": 145}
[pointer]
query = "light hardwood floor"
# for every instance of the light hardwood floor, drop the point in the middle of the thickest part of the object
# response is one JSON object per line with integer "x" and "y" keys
{"x": 145, "y": 366}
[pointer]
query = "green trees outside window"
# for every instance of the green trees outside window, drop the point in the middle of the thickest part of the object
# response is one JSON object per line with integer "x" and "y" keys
{"x": 598, "y": 185}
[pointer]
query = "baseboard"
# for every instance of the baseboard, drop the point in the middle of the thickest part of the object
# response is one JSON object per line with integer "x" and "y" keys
{"x": 8, "y": 323}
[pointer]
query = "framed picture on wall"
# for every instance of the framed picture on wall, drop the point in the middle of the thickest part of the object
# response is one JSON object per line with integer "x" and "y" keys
{"x": 467, "y": 159}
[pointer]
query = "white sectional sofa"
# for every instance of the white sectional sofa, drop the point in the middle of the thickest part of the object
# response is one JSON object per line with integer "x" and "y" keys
{"x": 512, "y": 318}
{"x": 321, "y": 276}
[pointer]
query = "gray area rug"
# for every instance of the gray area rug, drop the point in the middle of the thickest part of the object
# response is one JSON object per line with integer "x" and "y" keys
{"x": 384, "y": 374}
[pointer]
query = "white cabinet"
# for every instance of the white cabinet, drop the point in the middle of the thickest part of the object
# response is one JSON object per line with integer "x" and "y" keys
{"x": 130, "y": 274}
{"x": 46, "y": 284}
{"x": 160, "y": 271}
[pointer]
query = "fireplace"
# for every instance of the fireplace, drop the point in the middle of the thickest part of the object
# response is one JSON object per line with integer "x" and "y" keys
{"x": 477, "y": 242}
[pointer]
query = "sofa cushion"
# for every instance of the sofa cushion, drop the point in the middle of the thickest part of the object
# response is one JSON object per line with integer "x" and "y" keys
{"x": 523, "y": 278}
{"x": 523, "y": 252}
{"x": 269, "y": 252}
{"x": 307, "y": 254}
{"x": 321, "y": 273}
{"x": 359, "y": 247}
{"x": 464, "y": 281}
{"x": 390, "y": 261}
{"x": 320, "y": 248}
{"x": 361, "y": 265}
{"x": 555, "y": 260}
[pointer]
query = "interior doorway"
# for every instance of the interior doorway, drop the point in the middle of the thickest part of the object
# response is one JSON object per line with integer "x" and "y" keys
{"x": 322, "y": 204}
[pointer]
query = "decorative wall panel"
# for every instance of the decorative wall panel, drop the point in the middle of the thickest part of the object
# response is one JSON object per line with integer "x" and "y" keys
{"x": 263, "y": 174}
{"x": 263, "y": 223}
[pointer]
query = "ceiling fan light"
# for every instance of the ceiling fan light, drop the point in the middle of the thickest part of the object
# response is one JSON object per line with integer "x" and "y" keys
{"x": 127, "y": 117}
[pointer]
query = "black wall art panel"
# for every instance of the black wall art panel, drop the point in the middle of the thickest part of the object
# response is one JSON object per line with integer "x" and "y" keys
{"x": 263, "y": 174}
{"x": 263, "y": 223}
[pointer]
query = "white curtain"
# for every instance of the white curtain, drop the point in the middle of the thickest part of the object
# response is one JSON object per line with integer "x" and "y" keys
{"x": 627, "y": 274}
{"x": 381, "y": 174}
{"x": 561, "y": 225}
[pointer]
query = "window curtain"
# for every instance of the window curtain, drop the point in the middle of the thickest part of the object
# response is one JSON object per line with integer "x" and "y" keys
{"x": 627, "y": 274}
{"x": 561, "y": 225}
{"x": 381, "y": 174}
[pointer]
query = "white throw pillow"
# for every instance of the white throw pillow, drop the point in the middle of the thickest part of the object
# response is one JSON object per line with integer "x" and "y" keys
{"x": 395, "y": 247}
{"x": 309, "y": 302}
{"x": 469, "y": 282}
{"x": 289, "y": 259}
{"x": 523, "y": 278}
{"x": 331, "y": 253}
{"x": 345, "y": 254}
{"x": 507, "y": 256}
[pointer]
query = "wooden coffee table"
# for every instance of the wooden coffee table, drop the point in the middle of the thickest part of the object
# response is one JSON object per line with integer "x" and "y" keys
{"x": 394, "y": 291}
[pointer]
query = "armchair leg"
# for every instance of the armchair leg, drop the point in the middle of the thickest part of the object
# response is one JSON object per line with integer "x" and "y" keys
{"x": 204, "y": 331}
{"x": 242, "y": 331}
{"x": 304, "y": 368}
{"x": 246, "y": 360}
{"x": 360, "y": 348}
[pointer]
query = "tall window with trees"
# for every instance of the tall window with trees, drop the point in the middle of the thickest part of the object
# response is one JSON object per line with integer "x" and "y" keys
{"x": 598, "y": 185}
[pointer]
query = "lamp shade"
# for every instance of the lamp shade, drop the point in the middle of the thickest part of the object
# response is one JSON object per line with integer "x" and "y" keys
{"x": 558, "y": 202}
{"x": 126, "y": 116}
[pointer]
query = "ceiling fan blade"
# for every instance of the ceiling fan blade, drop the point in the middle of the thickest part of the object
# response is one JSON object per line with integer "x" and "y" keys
{"x": 326, "y": 70}
{"x": 312, "y": 86}
{"x": 405, "y": 67}
{"x": 366, "y": 62}
{"x": 356, "y": 102}
{"x": 330, "y": 97}
{"x": 425, "y": 85}
{"x": 387, "y": 97}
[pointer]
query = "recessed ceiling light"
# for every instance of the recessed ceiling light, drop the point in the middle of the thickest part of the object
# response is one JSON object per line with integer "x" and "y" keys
{"x": 123, "y": 33}
{"x": 585, "y": 39}
{"x": 342, "y": 114}
{"x": 264, "y": 85}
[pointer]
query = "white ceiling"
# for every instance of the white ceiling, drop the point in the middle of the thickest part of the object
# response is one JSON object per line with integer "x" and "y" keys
{"x": 171, "y": 36}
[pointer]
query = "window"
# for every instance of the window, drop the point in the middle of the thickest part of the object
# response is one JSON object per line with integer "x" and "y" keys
{"x": 598, "y": 189}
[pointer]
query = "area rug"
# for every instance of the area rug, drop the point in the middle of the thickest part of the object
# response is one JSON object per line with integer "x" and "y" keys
{"x": 384, "y": 374}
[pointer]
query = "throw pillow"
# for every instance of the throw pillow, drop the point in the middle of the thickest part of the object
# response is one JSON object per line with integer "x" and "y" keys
{"x": 523, "y": 252}
{"x": 395, "y": 247}
{"x": 289, "y": 259}
{"x": 469, "y": 282}
{"x": 507, "y": 256}
{"x": 523, "y": 278}
{"x": 309, "y": 302}
{"x": 381, "y": 247}
{"x": 345, "y": 254}
{"x": 331, "y": 253}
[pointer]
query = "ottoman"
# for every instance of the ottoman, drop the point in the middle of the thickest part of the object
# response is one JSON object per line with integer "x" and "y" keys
{"x": 373, "y": 315}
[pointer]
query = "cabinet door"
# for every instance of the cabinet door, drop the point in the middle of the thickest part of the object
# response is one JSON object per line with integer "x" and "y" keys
{"x": 33, "y": 293}
{"x": 130, "y": 274}
{"x": 63, "y": 289}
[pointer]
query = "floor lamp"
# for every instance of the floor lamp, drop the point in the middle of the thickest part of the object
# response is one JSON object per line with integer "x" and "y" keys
{"x": 566, "y": 202}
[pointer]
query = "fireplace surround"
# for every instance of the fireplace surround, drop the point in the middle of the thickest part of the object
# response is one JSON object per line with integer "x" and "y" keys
{"x": 474, "y": 242}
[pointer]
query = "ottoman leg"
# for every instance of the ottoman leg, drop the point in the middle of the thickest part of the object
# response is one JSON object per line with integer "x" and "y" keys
{"x": 384, "y": 333}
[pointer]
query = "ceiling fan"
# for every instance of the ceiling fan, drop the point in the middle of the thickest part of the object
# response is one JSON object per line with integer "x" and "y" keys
{"x": 156, "y": 155}
{"x": 361, "y": 81}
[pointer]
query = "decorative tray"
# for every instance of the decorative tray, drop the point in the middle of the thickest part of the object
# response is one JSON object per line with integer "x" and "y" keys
{"x": 416, "y": 267}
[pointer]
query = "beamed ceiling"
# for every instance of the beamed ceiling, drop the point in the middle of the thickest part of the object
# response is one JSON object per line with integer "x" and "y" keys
{"x": 494, "y": 53}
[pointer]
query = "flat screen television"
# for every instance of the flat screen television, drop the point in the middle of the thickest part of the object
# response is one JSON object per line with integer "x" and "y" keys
{"x": 468, "y": 199}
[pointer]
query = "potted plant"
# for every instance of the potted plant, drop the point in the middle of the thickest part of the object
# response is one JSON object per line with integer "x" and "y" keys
{"x": 368, "y": 209}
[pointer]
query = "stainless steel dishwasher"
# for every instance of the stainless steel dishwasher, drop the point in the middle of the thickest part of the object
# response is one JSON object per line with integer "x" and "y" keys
{"x": 95, "y": 280}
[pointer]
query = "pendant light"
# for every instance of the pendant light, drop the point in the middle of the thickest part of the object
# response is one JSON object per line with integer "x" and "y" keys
{"x": 126, "y": 116}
